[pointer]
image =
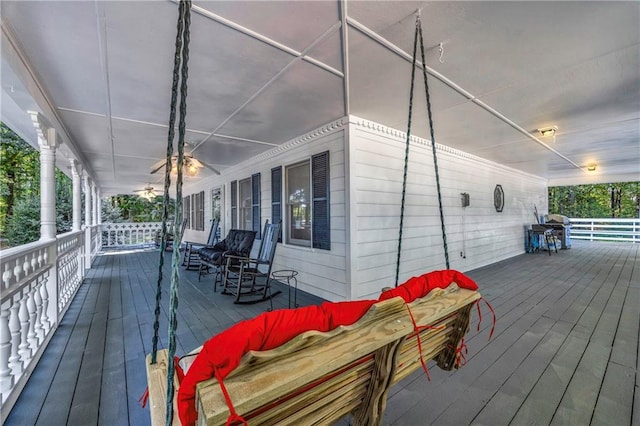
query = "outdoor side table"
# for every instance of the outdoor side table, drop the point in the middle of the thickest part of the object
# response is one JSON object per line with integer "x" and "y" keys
{"x": 288, "y": 275}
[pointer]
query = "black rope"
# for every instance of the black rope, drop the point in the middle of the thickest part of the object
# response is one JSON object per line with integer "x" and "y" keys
{"x": 167, "y": 179}
{"x": 418, "y": 32}
{"x": 433, "y": 144}
{"x": 175, "y": 264}
{"x": 406, "y": 152}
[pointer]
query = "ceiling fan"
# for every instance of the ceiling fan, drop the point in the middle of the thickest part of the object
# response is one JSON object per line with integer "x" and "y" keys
{"x": 191, "y": 165}
{"x": 149, "y": 192}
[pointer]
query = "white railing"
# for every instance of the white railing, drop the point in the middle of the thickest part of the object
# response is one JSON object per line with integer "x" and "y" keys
{"x": 70, "y": 268}
{"x": 603, "y": 229}
{"x": 127, "y": 234}
{"x": 38, "y": 282}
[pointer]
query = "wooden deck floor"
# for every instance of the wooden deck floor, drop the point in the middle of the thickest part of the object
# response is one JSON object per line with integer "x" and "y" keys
{"x": 565, "y": 348}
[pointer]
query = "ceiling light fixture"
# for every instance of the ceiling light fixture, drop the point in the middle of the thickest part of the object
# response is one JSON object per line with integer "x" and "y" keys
{"x": 548, "y": 131}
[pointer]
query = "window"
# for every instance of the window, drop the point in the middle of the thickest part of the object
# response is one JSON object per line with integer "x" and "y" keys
{"x": 245, "y": 204}
{"x": 217, "y": 209}
{"x": 298, "y": 198}
{"x": 197, "y": 217}
{"x": 255, "y": 203}
{"x": 307, "y": 202}
{"x": 234, "y": 204}
{"x": 186, "y": 210}
{"x": 245, "y": 209}
{"x": 276, "y": 196}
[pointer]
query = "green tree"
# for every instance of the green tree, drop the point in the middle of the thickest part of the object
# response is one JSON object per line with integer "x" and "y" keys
{"x": 20, "y": 191}
{"x": 133, "y": 208}
{"x": 617, "y": 200}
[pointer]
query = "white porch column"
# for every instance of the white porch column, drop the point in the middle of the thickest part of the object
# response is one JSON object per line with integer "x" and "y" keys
{"x": 76, "y": 173}
{"x": 94, "y": 204}
{"x": 99, "y": 206}
{"x": 47, "y": 140}
{"x": 87, "y": 200}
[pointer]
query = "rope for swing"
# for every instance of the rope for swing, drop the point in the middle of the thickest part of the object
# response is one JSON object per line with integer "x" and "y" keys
{"x": 406, "y": 152}
{"x": 433, "y": 144}
{"x": 418, "y": 34}
{"x": 167, "y": 181}
{"x": 175, "y": 264}
{"x": 180, "y": 74}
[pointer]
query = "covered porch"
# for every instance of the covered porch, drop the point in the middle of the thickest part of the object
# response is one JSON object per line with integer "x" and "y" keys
{"x": 565, "y": 348}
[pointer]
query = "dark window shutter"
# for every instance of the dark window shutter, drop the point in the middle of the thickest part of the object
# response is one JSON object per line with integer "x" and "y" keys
{"x": 255, "y": 203}
{"x": 320, "y": 187}
{"x": 234, "y": 204}
{"x": 276, "y": 196}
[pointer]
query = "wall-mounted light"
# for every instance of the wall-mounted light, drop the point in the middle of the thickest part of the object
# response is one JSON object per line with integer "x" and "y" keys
{"x": 592, "y": 167}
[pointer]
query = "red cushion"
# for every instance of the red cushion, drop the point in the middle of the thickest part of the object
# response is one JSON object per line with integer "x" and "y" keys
{"x": 222, "y": 353}
{"x": 418, "y": 287}
{"x": 269, "y": 330}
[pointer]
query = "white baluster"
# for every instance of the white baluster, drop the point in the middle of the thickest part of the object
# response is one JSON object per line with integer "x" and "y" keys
{"x": 26, "y": 265}
{"x": 17, "y": 270}
{"x": 37, "y": 299}
{"x": 6, "y": 379}
{"x": 23, "y": 349}
{"x": 32, "y": 337}
{"x": 14, "y": 327}
{"x": 44, "y": 295}
{"x": 6, "y": 276}
{"x": 34, "y": 261}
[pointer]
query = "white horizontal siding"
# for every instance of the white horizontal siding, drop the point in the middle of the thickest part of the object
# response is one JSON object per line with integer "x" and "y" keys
{"x": 321, "y": 272}
{"x": 483, "y": 235}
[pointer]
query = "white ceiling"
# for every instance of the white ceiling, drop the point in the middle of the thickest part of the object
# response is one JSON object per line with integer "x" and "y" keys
{"x": 264, "y": 72}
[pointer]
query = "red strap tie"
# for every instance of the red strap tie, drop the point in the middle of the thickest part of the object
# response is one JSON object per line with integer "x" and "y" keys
{"x": 234, "y": 417}
{"x": 461, "y": 351}
{"x": 144, "y": 398}
{"x": 493, "y": 325}
{"x": 417, "y": 330}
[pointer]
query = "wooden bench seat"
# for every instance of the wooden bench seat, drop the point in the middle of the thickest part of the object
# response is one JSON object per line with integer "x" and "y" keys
{"x": 319, "y": 377}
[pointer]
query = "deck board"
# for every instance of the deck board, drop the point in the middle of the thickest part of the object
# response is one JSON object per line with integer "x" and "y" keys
{"x": 564, "y": 351}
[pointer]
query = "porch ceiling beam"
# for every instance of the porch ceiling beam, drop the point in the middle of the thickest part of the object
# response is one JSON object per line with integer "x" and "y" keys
{"x": 409, "y": 58}
{"x": 21, "y": 66}
{"x": 164, "y": 126}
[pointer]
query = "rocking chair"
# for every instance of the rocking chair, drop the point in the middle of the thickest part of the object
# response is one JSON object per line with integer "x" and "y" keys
{"x": 192, "y": 249}
{"x": 249, "y": 280}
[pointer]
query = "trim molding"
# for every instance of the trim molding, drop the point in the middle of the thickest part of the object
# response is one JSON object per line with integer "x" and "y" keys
{"x": 425, "y": 143}
{"x": 327, "y": 129}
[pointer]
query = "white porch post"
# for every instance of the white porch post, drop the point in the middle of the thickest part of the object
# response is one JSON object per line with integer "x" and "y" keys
{"x": 99, "y": 206}
{"x": 87, "y": 200}
{"x": 94, "y": 204}
{"x": 47, "y": 140}
{"x": 76, "y": 172}
{"x": 87, "y": 221}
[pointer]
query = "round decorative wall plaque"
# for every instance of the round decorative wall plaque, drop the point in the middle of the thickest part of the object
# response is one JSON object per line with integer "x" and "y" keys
{"x": 498, "y": 198}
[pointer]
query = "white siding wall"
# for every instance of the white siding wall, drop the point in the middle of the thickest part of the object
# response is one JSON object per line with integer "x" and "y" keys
{"x": 483, "y": 236}
{"x": 321, "y": 272}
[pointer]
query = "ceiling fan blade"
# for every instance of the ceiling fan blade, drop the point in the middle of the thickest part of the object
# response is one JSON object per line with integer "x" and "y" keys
{"x": 210, "y": 168}
{"x": 156, "y": 168}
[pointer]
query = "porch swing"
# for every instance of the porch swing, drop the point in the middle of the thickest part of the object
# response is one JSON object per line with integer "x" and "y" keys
{"x": 306, "y": 365}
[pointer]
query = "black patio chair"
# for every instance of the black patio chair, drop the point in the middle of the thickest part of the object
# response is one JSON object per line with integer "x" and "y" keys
{"x": 249, "y": 279}
{"x": 191, "y": 258}
{"x": 237, "y": 243}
